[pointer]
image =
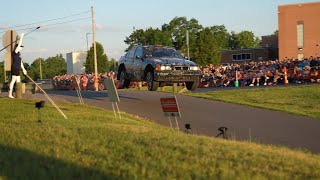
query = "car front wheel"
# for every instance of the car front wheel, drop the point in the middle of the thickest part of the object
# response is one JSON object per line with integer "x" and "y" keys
{"x": 123, "y": 80}
{"x": 152, "y": 85}
{"x": 191, "y": 86}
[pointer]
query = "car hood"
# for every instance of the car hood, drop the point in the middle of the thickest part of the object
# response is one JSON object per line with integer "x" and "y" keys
{"x": 174, "y": 61}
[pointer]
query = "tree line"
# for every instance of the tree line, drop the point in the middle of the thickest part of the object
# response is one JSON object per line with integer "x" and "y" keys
{"x": 205, "y": 42}
{"x": 57, "y": 65}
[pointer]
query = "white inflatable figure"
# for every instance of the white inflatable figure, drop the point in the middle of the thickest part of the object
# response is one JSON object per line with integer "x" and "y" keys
{"x": 17, "y": 65}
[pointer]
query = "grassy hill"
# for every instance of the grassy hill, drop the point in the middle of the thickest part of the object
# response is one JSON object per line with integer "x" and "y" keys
{"x": 93, "y": 144}
{"x": 300, "y": 100}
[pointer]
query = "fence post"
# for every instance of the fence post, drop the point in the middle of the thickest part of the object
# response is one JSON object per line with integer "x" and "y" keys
{"x": 175, "y": 88}
{"x": 139, "y": 85}
{"x": 285, "y": 76}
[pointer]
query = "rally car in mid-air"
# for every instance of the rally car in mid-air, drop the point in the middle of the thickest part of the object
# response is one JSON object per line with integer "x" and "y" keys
{"x": 157, "y": 65}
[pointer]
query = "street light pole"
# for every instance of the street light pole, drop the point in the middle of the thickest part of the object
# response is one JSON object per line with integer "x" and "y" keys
{"x": 188, "y": 45}
{"x": 94, "y": 50}
{"x": 40, "y": 70}
{"x": 87, "y": 41}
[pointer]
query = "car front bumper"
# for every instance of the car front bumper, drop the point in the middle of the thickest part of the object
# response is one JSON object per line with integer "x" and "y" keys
{"x": 177, "y": 76}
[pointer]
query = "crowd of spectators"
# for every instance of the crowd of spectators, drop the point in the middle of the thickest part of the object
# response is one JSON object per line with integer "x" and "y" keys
{"x": 257, "y": 73}
{"x": 253, "y": 73}
{"x": 83, "y": 81}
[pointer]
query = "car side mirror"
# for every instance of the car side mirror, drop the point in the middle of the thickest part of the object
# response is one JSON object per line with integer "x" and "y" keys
{"x": 139, "y": 57}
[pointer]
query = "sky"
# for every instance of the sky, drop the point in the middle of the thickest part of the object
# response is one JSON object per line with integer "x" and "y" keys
{"x": 115, "y": 19}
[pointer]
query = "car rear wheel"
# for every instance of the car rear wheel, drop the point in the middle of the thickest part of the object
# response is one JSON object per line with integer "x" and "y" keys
{"x": 151, "y": 84}
{"x": 191, "y": 86}
{"x": 123, "y": 80}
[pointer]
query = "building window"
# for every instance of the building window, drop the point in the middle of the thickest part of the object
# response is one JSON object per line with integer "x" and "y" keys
{"x": 300, "y": 34}
{"x": 241, "y": 57}
{"x": 234, "y": 57}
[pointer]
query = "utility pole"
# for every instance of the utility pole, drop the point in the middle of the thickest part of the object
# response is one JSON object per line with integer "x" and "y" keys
{"x": 40, "y": 69}
{"x": 87, "y": 42}
{"x": 94, "y": 50}
{"x": 188, "y": 44}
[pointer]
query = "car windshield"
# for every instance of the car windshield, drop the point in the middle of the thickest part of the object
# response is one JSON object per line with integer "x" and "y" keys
{"x": 159, "y": 51}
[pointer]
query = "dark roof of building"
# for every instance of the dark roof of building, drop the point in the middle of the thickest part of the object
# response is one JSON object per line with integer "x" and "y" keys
{"x": 297, "y": 4}
{"x": 246, "y": 49}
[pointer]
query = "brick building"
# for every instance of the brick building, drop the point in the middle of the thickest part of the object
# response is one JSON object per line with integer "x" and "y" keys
{"x": 299, "y": 30}
{"x": 268, "y": 50}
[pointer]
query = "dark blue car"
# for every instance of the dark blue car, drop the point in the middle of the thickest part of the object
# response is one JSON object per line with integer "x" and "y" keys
{"x": 157, "y": 65}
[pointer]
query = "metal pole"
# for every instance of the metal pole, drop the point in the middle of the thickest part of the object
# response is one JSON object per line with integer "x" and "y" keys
{"x": 175, "y": 88}
{"x": 87, "y": 42}
{"x": 170, "y": 123}
{"x": 79, "y": 90}
{"x": 11, "y": 50}
{"x": 94, "y": 49}
{"x": 118, "y": 110}
{"x": 40, "y": 70}
{"x": 188, "y": 44}
{"x": 11, "y": 47}
{"x": 114, "y": 111}
{"x": 177, "y": 123}
{"x": 4, "y": 72}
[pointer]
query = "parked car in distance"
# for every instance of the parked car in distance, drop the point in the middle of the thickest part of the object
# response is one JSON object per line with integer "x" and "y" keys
{"x": 157, "y": 65}
{"x": 225, "y": 65}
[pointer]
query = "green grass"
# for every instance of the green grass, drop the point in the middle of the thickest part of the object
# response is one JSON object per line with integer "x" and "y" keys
{"x": 93, "y": 144}
{"x": 300, "y": 100}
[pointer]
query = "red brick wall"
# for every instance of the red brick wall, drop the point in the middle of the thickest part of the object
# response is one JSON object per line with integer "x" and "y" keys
{"x": 288, "y": 17}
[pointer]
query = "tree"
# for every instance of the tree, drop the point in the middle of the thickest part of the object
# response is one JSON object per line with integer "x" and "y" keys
{"x": 244, "y": 39}
{"x": 233, "y": 42}
{"x": 247, "y": 39}
{"x": 148, "y": 37}
{"x": 113, "y": 65}
{"x": 34, "y": 71}
{"x": 178, "y": 28}
{"x": 54, "y": 66}
{"x": 102, "y": 60}
{"x": 276, "y": 33}
{"x": 221, "y": 36}
{"x": 137, "y": 37}
{"x": 208, "y": 50}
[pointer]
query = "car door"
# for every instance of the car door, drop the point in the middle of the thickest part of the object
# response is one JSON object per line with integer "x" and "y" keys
{"x": 129, "y": 63}
{"x": 137, "y": 66}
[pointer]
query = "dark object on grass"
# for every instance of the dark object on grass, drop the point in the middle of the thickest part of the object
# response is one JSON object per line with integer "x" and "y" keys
{"x": 188, "y": 128}
{"x": 39, "y": 105}
{"x": 223, "y": 132}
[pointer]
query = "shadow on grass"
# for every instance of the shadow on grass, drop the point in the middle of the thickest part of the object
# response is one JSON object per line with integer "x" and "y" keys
{"x": 22, "y": 164}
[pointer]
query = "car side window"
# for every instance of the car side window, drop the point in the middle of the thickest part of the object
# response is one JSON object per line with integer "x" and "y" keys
{"x": 128, "y": 52}
{"x": 131, "y": 53}
{"x": 139, "y": 52}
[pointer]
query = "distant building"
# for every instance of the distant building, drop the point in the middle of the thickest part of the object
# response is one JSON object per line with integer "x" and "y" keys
{"x": 268, "y": 50}
{"x": 75, "y": 62}
{"x": 299, "y": 30}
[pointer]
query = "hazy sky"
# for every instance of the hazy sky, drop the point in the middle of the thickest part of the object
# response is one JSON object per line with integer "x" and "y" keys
{"x": 115, "y": 20}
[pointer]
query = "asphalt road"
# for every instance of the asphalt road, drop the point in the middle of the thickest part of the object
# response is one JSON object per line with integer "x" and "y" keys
{"x": 206, "y": 116}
